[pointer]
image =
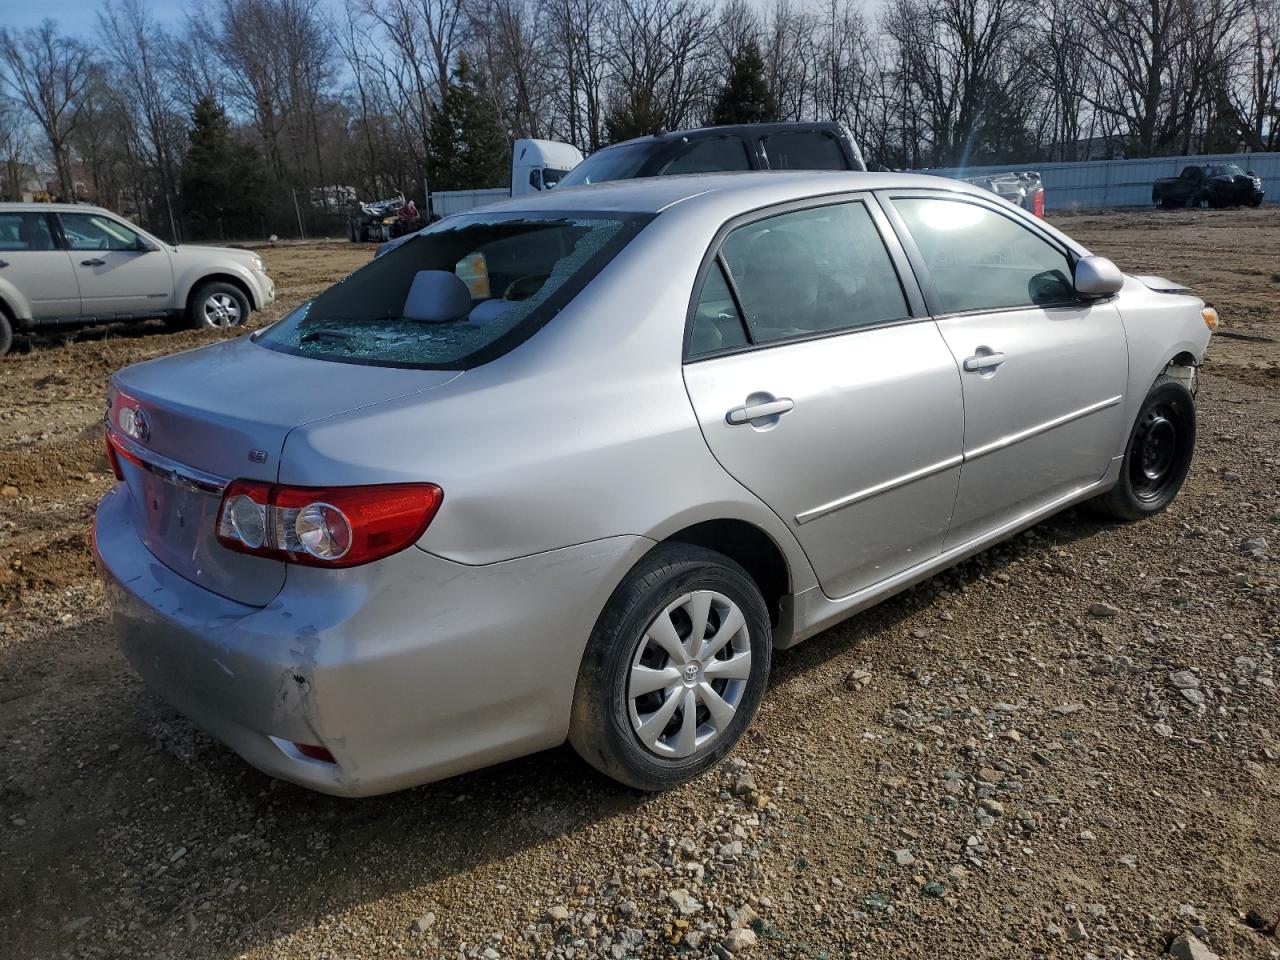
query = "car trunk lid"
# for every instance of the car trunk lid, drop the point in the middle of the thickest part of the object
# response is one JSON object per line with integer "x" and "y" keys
{"x": 191, "y": 422}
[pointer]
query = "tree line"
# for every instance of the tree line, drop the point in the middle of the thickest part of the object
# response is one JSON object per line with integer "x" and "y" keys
{"x": 255, "y": 115}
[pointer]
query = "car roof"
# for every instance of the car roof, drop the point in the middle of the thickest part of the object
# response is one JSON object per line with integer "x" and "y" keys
{"x": 655, "y": 194}
{"x": 8, "y": 206}
{"x": 738, "y": 129}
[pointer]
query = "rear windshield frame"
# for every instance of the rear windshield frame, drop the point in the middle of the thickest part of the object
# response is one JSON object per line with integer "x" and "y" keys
{"x": 539, "y": 317}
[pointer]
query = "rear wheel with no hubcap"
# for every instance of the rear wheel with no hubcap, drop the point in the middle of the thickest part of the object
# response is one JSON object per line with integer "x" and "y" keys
{"x": 1158, "y": 456}
{"x": 674, "y": 670}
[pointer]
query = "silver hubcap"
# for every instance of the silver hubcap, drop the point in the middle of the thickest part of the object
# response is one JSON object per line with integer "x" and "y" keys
{"x": 222, "y": 310}
{"x": 688, "y": 674}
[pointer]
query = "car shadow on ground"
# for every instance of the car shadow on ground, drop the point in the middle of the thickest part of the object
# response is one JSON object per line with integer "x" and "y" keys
{"x": 125, "y": 812}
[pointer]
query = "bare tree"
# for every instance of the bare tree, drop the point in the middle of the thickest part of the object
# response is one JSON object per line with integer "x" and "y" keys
{"x": 48, "y": 73}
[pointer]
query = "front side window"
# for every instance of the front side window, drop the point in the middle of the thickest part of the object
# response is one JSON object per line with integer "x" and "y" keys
{"x": 25, "y": 231}
{"x": 982, "y": 260}
{"x": 710, "y": 156}
{"x": 92, "y": 231}
{"x": 804, "y": 150}
{"x": 458, "y": 294}
{"x": 813, "y": 271}
{"x": 619, "y": 162}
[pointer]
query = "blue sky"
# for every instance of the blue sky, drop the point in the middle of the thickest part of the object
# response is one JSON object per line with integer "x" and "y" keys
{"x": 74, "y": 16}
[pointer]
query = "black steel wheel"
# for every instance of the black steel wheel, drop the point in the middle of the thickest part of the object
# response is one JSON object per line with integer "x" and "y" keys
{"x": 1158, "y": 456}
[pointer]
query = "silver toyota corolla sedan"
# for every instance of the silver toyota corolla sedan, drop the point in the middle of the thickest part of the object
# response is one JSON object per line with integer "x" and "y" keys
{"x": 573, "y": 466}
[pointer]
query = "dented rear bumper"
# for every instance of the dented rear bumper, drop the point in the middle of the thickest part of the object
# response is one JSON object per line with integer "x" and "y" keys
{"x": 407, "y": 670}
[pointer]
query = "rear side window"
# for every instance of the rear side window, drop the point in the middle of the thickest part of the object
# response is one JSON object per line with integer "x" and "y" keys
{"x": 461, "y": 293}
{"x": 804, "y": 150}
{"x": 717, "y": 325}
{"x": 813, "y": 271}
{"x": 981, "y": 260}
{"x": 710, "y": 156}
{"x": 25, "y": 231}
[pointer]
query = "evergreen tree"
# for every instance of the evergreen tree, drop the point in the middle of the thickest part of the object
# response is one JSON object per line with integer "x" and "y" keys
{"x": 640, "y": 116}
{"x": 222, "y": 188}
{"x": 745, "y": 96}
{"x": 469, "y": 149}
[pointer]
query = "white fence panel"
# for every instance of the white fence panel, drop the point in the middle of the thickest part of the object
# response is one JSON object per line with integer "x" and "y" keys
{"x": 447, "y": 202}
{"x": 1120, "y": 183}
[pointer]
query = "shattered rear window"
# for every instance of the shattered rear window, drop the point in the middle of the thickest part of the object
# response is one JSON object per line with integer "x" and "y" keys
{"x": 461, "y": 293}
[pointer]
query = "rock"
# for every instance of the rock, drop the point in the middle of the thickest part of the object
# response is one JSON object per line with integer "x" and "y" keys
{"x": 1068, "y": 708}
{"x": 683, "y": 901}
{"x": 745, "y": 916}
{"x": 933, "y": 889}
{"x": 1076, "y": 931}
{"x": 1192, "y": 696}
{"x": 744, "y": 786}
{"x": 8, "y": 491}
{"x": 993, "y": 807}
{"x": 903, "y": 858}
{"x": 1101, "y": 610}
{"x": 1187, "y": 947}
{"x": 739, "y": 940}
{"x": 557, "y": 914}
{"x": 428, "y": 920}
{"x": 1163, "y": 730}
{"x": 626, "y": 908}
{"x": 1255, "y": 547}
{"x": 1184, "y": 679}
{"x": 857, "y": 679}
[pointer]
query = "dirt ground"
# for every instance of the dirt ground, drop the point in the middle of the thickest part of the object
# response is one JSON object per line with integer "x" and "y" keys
{"x": 980, "y": 767}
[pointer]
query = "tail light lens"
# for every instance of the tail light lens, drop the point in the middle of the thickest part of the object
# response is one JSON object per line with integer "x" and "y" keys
{"x": 113, "y": 456}
{"x": 325, "y": 526}
{"x": 1038, "y": 203}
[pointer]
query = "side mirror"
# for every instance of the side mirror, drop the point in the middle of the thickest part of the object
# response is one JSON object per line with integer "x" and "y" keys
{"x": 146, "y": 246}
{"x": 1097, "y": 277}
{"x": 1250, "y": 173}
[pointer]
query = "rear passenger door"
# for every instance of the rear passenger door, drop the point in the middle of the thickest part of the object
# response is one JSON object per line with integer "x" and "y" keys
{"x": 1044, "y": 372}
{"x": 822, "y": 387}
{"x": 32, "y": 262}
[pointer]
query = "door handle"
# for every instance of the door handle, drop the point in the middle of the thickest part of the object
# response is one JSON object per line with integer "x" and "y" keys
{"x": 3, "y": 264}
{"x": 92, "y": 262}
{"x": 754, "y": 411}
{"x": 983, "y": 361}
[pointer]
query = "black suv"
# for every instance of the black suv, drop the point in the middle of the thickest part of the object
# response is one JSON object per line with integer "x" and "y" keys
{"x": 755, "y": 146}
{"x": 1209, "y": 185}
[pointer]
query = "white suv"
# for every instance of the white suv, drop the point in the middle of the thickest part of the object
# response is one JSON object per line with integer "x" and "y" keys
{"x": 68, "y": 264}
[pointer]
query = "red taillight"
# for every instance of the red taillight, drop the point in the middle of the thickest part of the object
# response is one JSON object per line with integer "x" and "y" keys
{"x": 113, "y": 457}
{"x": 313, "y": 752}
{"x": 1038, "y": 204}
{"x": 325, "y": 526}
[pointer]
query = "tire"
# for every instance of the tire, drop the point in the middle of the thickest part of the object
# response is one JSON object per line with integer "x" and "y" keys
{"x": 1157, "y": 456}
{"x": 217, "y": 305}
{"x": 671, "y": 585}
{"x": 6, "y": 333}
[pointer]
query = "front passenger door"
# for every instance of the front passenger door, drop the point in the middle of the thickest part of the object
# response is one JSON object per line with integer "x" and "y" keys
{"x": 1044, "y": 372}
{"x": 119, "y": 274}
{"x": 821, "y": 389}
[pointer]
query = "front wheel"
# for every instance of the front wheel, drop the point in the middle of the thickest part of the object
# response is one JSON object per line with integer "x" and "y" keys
{"x": 674, "y": 671}
{"x": 6, "y": 334}
{"x": 217, "y": 305}
{"x": 1158, "y": 456}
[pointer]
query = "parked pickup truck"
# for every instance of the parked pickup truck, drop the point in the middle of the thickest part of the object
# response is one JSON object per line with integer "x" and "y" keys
{"x": 71, "y": 264}
{"x": 1209, "y": 185}
{"x": 755, "y": 146}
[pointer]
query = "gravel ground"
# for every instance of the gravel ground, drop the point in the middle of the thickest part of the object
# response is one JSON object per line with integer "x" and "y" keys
{"x": 1067, "y": 746}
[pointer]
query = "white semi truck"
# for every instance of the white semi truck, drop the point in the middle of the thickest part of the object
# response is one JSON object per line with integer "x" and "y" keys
{"x": 535, "y": 165}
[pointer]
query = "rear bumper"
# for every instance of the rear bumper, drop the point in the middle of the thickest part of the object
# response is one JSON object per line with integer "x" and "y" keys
{"x": 407, "y": 670}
